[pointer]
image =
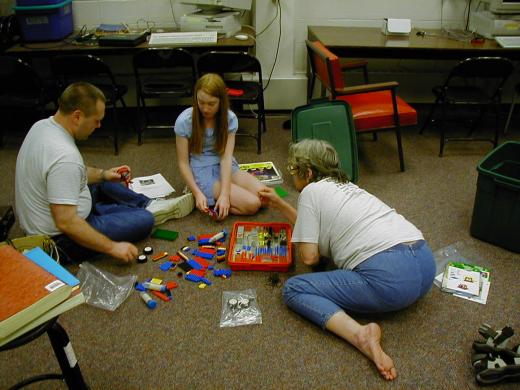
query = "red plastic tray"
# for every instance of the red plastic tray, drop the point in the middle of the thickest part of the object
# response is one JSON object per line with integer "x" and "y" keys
{"x": 260, "y": 246}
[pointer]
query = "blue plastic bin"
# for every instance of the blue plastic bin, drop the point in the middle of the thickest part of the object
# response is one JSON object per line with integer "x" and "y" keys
{"x": 28, "y": 3}
{"x": 50, "y": 22}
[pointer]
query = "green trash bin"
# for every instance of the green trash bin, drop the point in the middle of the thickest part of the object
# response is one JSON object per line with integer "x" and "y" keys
{"x": 496, "y": 213}
{"x": 332, "y": 121}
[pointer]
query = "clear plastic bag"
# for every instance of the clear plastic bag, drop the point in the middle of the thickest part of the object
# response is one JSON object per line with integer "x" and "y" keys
{"x": 103, "y": 289}
{"x": 444, "y": 255}
{"x": 240, "y": 308}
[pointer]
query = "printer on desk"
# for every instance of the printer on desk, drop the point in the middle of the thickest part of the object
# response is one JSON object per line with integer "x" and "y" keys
{"x": 500, "y": 17}
{"x": 222, "y": 16}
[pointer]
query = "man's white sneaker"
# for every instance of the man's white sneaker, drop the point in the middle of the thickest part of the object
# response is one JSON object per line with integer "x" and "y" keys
{"x": 166, "y": 209}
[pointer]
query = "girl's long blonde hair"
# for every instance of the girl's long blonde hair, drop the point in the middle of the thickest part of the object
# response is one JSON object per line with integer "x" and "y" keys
{"x": 213, "y": 85}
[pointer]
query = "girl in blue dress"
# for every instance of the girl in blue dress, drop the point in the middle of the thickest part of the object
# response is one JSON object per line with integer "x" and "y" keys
{"x": 205, "y": 140}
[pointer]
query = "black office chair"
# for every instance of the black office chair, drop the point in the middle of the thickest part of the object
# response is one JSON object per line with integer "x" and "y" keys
{"x": 230, "y": 64}
{"x": 86, "y": 67}
{"x": 161, "y": 74}
{"x": 475, "y": 82}
{"x": 22, "y": 89}
{"x": 512, "y": 107}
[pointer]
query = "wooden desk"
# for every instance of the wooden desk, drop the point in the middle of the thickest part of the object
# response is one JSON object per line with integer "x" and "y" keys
{"x": 45, "y": 49}
{"x": 371, "y": 43}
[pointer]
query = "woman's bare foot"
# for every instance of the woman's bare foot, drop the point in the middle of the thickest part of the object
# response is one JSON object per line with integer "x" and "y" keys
{"x": 368, "y": 341}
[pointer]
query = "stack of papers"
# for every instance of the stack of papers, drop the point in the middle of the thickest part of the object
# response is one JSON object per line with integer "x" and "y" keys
{"x": 265, "y": 171}
{"x": 466, "y": 281}
{"x": 154, "y": 186}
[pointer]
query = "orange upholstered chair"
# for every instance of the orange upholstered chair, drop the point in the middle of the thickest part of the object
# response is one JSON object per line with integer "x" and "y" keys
{"x": 375, "y": 107}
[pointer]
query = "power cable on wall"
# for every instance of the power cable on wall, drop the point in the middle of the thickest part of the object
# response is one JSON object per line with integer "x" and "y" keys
{"x": 279, "y": 13}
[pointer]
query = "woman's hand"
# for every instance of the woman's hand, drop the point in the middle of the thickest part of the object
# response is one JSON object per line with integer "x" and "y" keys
{"x": 269, "y": 197}
{"x": 222, "y": 206}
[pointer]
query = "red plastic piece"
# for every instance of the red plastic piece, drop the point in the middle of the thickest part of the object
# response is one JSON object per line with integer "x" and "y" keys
{"x": 161, "y": 295}
{"x": 198, "y": 272}
{"x": 234, "y": 92}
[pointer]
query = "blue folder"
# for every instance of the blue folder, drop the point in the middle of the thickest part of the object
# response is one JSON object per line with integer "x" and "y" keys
{"x": 38, "y": 256}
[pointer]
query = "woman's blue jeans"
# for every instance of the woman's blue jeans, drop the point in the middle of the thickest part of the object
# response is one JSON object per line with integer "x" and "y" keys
{"x": 388, "y": 281}
{"x": 117, "y": 212}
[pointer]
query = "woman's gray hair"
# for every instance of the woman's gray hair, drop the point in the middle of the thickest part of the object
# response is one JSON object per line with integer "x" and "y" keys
{"x": 317, "y": 155}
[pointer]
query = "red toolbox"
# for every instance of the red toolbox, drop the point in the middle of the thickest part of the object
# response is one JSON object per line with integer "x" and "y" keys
{"x": 260, "y": 246}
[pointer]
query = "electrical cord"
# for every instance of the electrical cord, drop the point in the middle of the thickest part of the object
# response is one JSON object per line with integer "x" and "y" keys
{"x": 279, "y": 8}
{"x": 467, "y": 17}
{"x": 272, "y": 21}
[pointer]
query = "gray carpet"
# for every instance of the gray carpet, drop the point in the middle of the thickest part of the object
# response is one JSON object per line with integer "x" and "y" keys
{"x": 180, "y": 344}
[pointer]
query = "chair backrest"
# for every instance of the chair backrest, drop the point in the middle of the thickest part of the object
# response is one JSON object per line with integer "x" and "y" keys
{"x": 325, "y": 66}
{"x": 166, "y": 71}
{"x": 163, "y": 58}
{"x": 497, "y": 69}
{"x": 331, "y": 121}
{"x": 225, "y": 62}
{"x": 17, "y": 76}
{"x": 84, "y": 67}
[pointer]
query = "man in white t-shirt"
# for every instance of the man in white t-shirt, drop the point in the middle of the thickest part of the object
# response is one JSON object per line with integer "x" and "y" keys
{"x": 86, "y": 210}
{"x": 383, "y": 262}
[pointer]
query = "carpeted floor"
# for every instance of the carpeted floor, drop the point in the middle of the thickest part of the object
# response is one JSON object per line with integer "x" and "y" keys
{"x": 180, "y": 343}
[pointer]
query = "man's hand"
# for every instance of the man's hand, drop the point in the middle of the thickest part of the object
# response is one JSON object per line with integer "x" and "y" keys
{"x": 117, "y": 174}
{"x": 125, "y": 252}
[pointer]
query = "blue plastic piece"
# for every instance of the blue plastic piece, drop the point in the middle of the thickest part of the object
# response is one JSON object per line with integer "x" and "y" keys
{"x": 193, "y": 278}
{"x": 140, "y": 287}
{"x": 204, "y": 241}
{"x": 191, "y": 238}
{"x": 222, "y": 272}
{"x": 204, "y": 280}
{"x": 204, "y": 255}
{"x": 194, "y": 264}
{"x": 210, "y": 267}
{"x": 221, "y": 252}
{"x": 166, "y": 265}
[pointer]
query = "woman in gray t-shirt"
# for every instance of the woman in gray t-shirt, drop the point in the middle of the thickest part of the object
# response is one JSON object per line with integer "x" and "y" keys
{"x": 383, "y": 262}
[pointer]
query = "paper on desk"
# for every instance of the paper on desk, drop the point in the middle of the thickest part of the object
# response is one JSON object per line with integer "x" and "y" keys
{"x": 154, "y": 186}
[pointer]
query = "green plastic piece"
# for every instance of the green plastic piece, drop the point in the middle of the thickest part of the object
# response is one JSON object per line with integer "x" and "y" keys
{"x": 281, "y": 192}
{"x": 164, "y": 234}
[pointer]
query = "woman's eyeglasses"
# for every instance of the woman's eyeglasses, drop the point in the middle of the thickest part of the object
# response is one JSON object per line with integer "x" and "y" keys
{"x": 292, "y": 169}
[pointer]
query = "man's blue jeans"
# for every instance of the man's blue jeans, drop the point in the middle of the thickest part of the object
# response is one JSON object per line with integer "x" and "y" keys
{"x": 388, "y": 281}
{"x": 117, "y": 212}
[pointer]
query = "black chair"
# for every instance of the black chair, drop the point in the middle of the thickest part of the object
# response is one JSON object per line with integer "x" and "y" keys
{"x": 86, "y": 67}
{"x": 233, "y": 66}
{"x": 22, "y": 89}
{"x": 70, "y": 370}
{"x": 475, "y": 82}
{"x": 161, "y": 74}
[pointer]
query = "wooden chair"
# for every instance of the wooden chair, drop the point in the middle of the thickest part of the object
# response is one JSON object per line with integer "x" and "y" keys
{"x": 375, "y": 107}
